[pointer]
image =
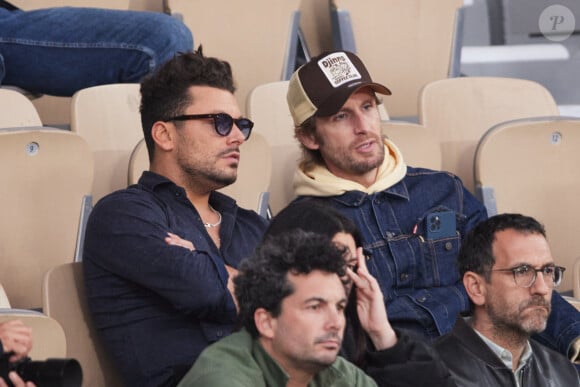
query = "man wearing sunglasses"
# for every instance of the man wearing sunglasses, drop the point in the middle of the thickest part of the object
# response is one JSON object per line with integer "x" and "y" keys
{"x": 509, "y": 274}
{"x": 160, "y": 256}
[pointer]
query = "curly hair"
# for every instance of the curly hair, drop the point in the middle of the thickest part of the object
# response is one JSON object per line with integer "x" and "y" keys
{"x": 262, "y": 281}
{"x": 476, "y": 252}
{"x": 165, "y": 92}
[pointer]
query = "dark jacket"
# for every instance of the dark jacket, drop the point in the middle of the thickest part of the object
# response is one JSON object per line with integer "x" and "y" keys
{"x": 409, "y": 363}
{"x": 158, "y": 306}
{"x": 473, "y": 363}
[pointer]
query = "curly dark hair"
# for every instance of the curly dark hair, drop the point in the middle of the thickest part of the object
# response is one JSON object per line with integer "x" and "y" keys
{"x": 476, "y": 253}
{"x": 165, "y": 92}
{"x": 262, "y": 281}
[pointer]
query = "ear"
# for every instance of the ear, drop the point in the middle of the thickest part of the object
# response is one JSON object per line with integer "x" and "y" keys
{"x": 265, "y": 323}
{"x": 308, "y": 140}
{"x": 163, "y": 134}
{"x": 476, "y": 287}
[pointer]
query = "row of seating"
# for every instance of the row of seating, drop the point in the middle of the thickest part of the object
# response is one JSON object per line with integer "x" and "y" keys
{"x": 454, "y": 116}
{"x": 64, "y": 329}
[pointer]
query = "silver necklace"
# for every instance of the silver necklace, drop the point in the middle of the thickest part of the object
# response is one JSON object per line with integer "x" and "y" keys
{"x": 219, "y": 221}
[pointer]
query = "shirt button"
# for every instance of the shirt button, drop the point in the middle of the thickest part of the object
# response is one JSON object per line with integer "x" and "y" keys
{"x": 448, "y": 246}
{"x": 422, "y": 299}
{"x": 404, "y": 276}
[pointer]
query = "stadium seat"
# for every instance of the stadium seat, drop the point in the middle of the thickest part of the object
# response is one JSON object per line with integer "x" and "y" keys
{"x": 258, "y": 38}
{"x": 46, "y": 175}
{"x": 418, "y": 144}
{"x": 461, "y": 110}
{"x": 405, "y": 44}
{"x": 108, "y": 118}
{"x": 4, "y": 301}
{"x": 267, "y": 107}
{"x": 49, "y": 340}
{"x": 64, "y": 300}
{"x": 530, "y": 166}
{"x": 17, "y": 110}
{"x": 251, "y": 187}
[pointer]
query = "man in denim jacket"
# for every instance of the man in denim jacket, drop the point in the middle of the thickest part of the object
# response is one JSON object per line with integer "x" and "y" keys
{"x": 412, "y": 219}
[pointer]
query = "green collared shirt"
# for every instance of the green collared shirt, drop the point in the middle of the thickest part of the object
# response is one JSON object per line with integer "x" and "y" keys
{"x": 240, "y": 361}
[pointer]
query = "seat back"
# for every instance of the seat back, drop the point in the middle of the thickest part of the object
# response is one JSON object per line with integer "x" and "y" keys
{"x": 254, "y": 172}
{"x": 64, "y": 300}
{"x": 258, "y": 37}
{"x": 17, "y": 110}
{"x": 49, "y": 340}
{"x": 4, "y": 301}
{"x": 404, "y": 44}
{"x": 461, "y": 110}
{"x": 108, "y": 118}
{"x": 267, "y": 107}
{"x": 418, "y": 144}
{"x": 46, "y": 173}
{"x": 530, "y": 167}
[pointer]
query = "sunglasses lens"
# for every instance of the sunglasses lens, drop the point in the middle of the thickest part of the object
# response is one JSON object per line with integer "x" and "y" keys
{"x": 245, "y": 126}
{"x": 223, "y": 124}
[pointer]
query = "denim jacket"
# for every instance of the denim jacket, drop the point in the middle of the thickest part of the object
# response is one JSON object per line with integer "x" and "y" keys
{"x": 417, "y": 272}
{"x": 158, "y": 306}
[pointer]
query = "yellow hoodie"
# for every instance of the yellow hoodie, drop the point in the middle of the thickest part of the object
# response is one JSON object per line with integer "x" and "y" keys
{"x": 321, "y": 182}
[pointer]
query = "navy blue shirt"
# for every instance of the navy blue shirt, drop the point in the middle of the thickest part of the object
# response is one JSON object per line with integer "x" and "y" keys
{"x": 158, "y": 306}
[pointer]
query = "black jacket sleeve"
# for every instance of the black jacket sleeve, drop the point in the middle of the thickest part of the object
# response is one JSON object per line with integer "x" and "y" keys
{"x": 411, "y": 362}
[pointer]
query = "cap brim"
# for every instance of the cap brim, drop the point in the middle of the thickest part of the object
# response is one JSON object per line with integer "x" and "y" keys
{"x": 333, "y": 104}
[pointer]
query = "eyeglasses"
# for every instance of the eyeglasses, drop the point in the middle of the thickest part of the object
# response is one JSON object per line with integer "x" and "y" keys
{"x": 525, "y": 275}
{"x": 222, "y": 123}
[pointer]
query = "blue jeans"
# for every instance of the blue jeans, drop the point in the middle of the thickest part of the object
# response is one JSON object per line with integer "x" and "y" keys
{"x": 60, "y": 50}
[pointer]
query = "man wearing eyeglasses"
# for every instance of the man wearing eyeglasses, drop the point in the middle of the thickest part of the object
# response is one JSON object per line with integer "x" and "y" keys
{"x": 160, "y": 256}
{"x": 509, "y": 275}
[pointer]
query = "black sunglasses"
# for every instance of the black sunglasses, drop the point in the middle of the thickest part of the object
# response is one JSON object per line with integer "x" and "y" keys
{"x": 222, "y": 123}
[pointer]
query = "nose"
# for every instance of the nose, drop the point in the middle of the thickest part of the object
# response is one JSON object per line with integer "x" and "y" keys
{"x": 236, "y": 135}
{"x": 541, "y": 286}
{"x": 335, "y": 320}
{"x": 361, "y": 123}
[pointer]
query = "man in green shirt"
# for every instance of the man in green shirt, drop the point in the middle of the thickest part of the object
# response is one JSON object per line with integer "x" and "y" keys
{"x": 292, "y": 300}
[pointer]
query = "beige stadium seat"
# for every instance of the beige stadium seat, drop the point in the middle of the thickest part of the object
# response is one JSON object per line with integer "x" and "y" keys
{"x": 251, "y": 187}
{"x": 461, "y": 110}
{"x": 49, "y": 340}
{"x": 530, "y": 166}
{"x": 267, "y": 107}
{"x": 17, "y": 110}
{"x": 257, "y": 37}
{"x": 46, "y": 175}
{"x": 138, "y": 162}
{"x": 108, "y": 118}
{"x": 64, "y": 300}
{"x": 418, "y": 144}
{"x": 4, "y": 301}
{"x": 405, "y": 44}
